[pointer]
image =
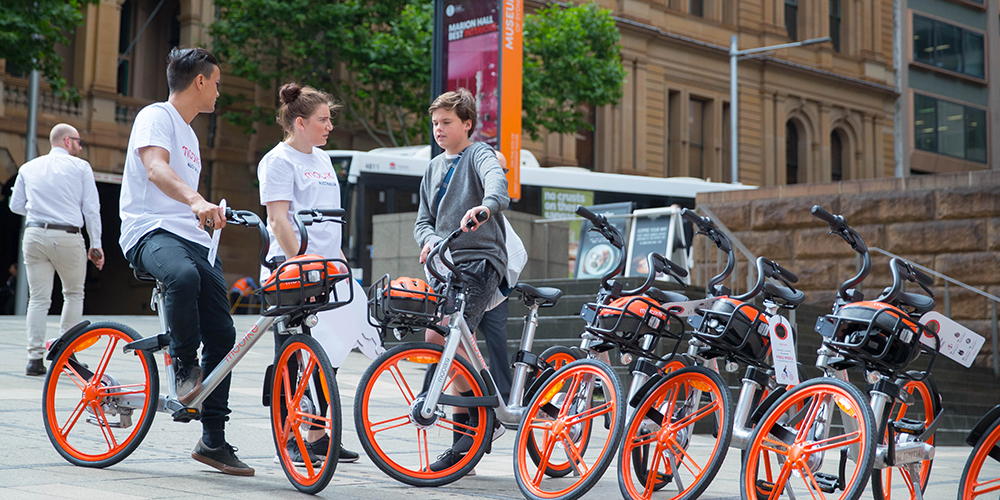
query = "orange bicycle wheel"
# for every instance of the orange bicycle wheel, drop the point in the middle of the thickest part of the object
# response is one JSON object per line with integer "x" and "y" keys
{"x": 558, "y": 357}
{"x": 578, "y": 410}
{"x": 98, "y": 403}
{"x": 387, "y": 413}
{"x": 303, "y": 382}
{"x": 895, "y": 483}
{"x": 680, "y": 433}
{"x": 981, "y": 477}
{"x": 826, "y": 448}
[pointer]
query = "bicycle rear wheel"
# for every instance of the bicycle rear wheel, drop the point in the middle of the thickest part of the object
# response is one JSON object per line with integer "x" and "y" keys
{"x": 981, "y": 476}
{"x": 661, "y": 438}
{"x": 803, "y": 452}
{"x": 894, "y": 483}
{"x": 578, "y": 410}
{"x": 303, "y": 383}
{"x": 387, "y": 415}
{"x": 98, "y": 403}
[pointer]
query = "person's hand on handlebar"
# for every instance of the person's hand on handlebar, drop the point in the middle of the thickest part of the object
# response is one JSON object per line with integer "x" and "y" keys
{"x": 210, "y": 215}
{"x": 468, "y": 218}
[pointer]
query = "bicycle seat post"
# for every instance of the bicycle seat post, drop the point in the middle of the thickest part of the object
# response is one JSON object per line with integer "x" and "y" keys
{"x": 520, "y": 366}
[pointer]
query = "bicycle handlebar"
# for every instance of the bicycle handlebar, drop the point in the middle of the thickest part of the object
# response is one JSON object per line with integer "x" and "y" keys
{"x": 839, "y": 226}
{"x": 309, "y": 216}
{"x": 657, "y": 264}
{"x": 440, "y": 248}
{"x": 767, "y": 268}
{"x": 707, "y": 227}
{"x": 904, "y": 271}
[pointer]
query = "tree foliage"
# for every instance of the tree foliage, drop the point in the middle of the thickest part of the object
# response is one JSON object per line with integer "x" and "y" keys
{"x": 30, "y": 31}
{"x": 571, "y": 57}
{"x": 373, "y": 56}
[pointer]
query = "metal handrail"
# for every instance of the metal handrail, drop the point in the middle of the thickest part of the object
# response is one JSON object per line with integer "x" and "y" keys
{"x": 947, "y": 303}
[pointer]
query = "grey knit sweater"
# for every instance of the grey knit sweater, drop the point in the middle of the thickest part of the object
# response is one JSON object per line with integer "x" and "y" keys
{"x": 478, "y": 180}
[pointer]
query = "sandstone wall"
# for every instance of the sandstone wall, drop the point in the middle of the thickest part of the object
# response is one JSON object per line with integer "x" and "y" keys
{"x": 949, "y": 223}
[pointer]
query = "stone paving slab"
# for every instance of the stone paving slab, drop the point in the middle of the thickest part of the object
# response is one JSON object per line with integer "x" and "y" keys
{"x": 161, "y": 468}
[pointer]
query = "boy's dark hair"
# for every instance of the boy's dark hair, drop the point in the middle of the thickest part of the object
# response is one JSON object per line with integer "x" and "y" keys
{"x": 461, "y": 102}
{"x": 185, "y": 64}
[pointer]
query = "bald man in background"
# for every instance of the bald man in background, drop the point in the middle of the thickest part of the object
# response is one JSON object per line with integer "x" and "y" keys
{"x": 58, "y": 195}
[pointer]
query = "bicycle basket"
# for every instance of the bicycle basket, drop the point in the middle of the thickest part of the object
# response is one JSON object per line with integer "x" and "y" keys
{"x": 407, "y": 303}
{"x": 877, "y": 333}
{"x": 626, "y": 319}
{"x": 305, "y": 281}
{"x": 736, "y": 328}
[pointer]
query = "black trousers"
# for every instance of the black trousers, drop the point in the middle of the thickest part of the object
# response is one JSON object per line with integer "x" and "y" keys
{"x": 494, "y": 329}
{"x": 197, "y": 309}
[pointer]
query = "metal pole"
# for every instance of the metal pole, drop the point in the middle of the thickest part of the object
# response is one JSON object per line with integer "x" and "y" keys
{"x": 947, "y": 300}
{"x": 31, "y": 147}
{"x": 545, "y": 246}
{"x": 734, "y": 111}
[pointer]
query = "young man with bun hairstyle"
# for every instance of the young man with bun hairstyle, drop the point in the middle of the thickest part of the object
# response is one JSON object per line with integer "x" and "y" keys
{"x": 164, "y": 222}
{"x": 459, "y": 184}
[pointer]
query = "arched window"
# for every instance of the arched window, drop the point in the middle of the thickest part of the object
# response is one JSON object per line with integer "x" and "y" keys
{"x": 836, "y": 157}
{"x": 791, "y": 153}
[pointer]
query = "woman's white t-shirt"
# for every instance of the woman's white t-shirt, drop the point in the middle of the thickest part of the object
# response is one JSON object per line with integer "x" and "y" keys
{"x": 305, "y": 181}
{"x": 143, "y": 206}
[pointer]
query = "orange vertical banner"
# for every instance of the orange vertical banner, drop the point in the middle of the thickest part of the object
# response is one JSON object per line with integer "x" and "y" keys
{"x": 511, "y": 59}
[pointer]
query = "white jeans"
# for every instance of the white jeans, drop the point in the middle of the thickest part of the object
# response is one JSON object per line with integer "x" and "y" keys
{"x": 47, "y": 251}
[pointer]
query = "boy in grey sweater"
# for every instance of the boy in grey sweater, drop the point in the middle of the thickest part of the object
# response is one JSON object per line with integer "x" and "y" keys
{"x": 463, "y": 181}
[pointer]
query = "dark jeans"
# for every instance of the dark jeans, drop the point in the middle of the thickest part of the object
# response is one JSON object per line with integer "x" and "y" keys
{"x": 197, "y": 309}
{"x": 494, "y": 328}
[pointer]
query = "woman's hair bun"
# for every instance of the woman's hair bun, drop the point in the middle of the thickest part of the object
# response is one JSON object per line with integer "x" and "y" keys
{"x": 289, "y": 93}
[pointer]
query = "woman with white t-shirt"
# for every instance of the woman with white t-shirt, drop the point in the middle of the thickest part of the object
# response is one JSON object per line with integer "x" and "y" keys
{"x": 297, "y": 175}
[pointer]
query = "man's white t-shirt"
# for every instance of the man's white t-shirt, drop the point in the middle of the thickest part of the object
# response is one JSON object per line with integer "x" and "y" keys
{"x": 143, "y": 206}
{"x": 305, "y": 181}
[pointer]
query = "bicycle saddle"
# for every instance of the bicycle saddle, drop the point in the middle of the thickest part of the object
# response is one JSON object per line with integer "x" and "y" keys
{"x": 920, "y": 303}
{"x": 142, "y": 275}
{"x": 787, "y": 295}
{"x": 542, "y": 296}
{"x": 665, "y": 297}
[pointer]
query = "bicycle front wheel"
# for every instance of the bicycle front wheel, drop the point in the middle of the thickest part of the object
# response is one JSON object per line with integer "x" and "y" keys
{"x": 403, "y": 443}
{"x": 895, "y": 483}
{"x": 817, "y": 440}
{"x": 981, "y": 477}
{"x": 579, "y": 410}
{"x": 303, "y": 383}
{"x": 98, "y": 402}
{"x": 661, "y": 446}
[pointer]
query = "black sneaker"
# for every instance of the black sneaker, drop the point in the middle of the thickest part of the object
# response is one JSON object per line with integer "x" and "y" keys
{"x": 35, "y": 368}
{"x": 222, "y": 458}
{"x": 296, "y": 456}
{"x": 448, "y": 459}
{"x": 187, "y": 378}
{"x": 320, "y": 447}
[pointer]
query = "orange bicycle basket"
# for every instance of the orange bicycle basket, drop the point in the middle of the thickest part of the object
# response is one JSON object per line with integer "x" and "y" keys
{"x": 303, "y": 279}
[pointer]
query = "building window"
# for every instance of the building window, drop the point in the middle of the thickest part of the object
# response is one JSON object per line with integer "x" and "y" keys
{"x": 697, "y": 8}
{"x": 947, "y": 46}
{"x": 792, "y": 18}
{"x": 124, "y": 40}
{"x": 836, "y": 157}
{"x": 696, "y": 139}
{"x": 835, "y": 24}
{"x": 585, "y": 139}
{"x": 949, "y": 128}
{"x": 791, "y": 154}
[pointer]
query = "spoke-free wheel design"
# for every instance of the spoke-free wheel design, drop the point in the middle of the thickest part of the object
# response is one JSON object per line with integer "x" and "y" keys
{"x": 558, "y": 356}
{"x": 98, "y": 402}
{"x": 816, "y": 441}
{"x": 981, "y": 477}
{"x": 678, "y": 436}
{"x": 387, "y": 415}
{"x": 579, "y": 410}
{"x": 304, "y": 385}
{"x": 895, "y": 483}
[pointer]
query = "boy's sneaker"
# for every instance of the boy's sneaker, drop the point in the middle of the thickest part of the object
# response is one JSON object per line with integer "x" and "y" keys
{"x": 320, "y": 447}
{"x": 222, "y": 458}
{"x": 296, "y": 456}
{"x": 187, "y": 378}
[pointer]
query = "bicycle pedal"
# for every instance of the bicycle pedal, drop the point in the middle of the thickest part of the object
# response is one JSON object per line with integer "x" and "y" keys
{"x": 149, "y": 344}
{"x": 909, "y": 426}
{"x": 187, "y": 415}
{"x": 827, "y": 482}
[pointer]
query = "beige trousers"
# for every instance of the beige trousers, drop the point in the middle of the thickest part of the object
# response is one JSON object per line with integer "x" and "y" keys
{"x": 47, "y": 251}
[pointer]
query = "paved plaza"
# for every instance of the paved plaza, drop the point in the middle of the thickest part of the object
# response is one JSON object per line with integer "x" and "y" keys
{"x": 161, "y": 468}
